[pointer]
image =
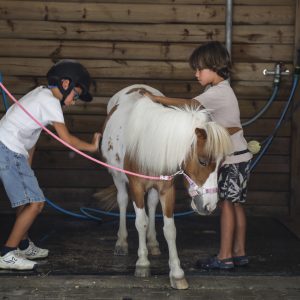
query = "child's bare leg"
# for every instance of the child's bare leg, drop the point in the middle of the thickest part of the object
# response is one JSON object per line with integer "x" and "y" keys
{"x": 240, "y": 230}
{"x": 23, "y": 222}
{"x": 18, "y": 212}
{"x": 227, "y": 229}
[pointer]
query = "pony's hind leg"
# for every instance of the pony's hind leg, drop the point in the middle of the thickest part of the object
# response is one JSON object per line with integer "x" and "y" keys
{"x": 121, "y": 247}
{"x": 152, "y": 243}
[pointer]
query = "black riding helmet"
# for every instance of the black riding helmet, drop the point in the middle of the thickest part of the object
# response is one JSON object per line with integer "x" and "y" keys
{"x": 76, "y": 73}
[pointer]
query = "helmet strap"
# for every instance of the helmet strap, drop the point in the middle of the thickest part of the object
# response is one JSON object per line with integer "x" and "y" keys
{"x": 64, "y": 92}
{"x": 62, "y": 101}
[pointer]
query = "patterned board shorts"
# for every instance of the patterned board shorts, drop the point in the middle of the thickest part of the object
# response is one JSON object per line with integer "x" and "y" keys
{"x": 233, "y": 182}
{"x": 18, "y": 178}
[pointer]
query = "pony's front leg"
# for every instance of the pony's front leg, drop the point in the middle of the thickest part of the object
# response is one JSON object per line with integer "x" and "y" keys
{"x": 152, "y": 243}
{"x": 142, "y": 266}
{"x": 121, "y": 247}
{"x": 177, "y": 278}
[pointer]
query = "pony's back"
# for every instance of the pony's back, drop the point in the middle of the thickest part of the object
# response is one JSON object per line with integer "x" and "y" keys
{"x": 122, "y": 96}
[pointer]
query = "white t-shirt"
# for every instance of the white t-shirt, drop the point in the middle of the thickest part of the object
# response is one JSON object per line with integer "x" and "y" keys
{"x": 18, "y": 131}
{"x": 222, "y": 102}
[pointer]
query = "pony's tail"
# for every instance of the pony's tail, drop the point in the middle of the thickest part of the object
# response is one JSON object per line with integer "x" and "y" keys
{"x": 107, "y": 198}
{"x": 218, "y": 141}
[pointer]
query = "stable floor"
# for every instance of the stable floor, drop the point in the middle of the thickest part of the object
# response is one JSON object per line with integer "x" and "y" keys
{"x": 83, "y": 251}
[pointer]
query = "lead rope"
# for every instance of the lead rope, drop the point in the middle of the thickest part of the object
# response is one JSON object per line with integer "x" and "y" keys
{"x": 161, "y": 177}
{"x": 85, "y": 210}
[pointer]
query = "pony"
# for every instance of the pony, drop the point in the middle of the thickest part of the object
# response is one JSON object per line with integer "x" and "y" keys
{"x": 148, "y": 138}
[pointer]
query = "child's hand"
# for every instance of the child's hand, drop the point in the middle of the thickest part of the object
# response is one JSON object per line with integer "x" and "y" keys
{"x": 143, "y": 92}
{"x": 96, "y": 141}
{"x": 151, "y": 97}
{"x": 134, "y": 90}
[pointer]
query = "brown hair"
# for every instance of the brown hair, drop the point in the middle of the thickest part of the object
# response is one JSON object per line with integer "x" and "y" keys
{"x": 213, "y": 56}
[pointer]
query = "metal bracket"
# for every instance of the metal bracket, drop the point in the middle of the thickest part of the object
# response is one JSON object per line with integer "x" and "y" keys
{"x": 280, "y": 70}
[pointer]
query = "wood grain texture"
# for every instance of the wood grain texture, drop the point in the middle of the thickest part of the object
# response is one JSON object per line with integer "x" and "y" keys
{"x": 144, "y": 41}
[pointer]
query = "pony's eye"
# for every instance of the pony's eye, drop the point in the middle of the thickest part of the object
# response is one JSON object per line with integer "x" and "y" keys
{"x": 203, "y": 162}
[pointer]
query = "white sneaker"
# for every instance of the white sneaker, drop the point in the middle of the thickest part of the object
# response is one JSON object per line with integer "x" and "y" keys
{"x": 33, "y": 252}
{"x": 14, "y": 260}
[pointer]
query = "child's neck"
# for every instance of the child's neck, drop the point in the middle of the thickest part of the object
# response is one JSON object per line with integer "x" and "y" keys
{"x": 217, "y": 80}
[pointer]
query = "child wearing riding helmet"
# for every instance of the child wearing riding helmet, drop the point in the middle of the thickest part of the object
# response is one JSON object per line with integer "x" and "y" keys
{"x": 212, "y": 64}
{"x": 68, "y": 81}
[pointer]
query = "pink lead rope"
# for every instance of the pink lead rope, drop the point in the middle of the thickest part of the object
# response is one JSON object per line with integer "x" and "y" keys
{"x": 167, "y": 177}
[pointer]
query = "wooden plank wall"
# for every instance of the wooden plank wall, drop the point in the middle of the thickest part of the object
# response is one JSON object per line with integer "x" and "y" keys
{"x": 294, "y": 221}
{"x": 145, "y": 41}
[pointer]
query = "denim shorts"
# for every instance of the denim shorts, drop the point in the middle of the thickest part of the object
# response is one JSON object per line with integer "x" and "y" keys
{"x": 233, "y": 181}
{"x": 18, "y": 178}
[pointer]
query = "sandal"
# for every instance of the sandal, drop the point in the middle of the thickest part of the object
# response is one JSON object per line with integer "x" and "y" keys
{"x": 216, "y": 263}
{"x": 240, "y": 261}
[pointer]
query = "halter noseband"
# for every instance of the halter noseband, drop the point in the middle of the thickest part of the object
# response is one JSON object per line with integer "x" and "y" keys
{"x": 194, "y": 188}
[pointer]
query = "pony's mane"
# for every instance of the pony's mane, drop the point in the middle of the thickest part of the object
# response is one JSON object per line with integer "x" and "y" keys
{"x": 159, "y": 139}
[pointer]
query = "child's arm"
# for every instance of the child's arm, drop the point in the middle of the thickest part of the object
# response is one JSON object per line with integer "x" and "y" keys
{"x": 173, "y": 101}
{"x": 166, "y": 100}
{"x": 79, "y": 144}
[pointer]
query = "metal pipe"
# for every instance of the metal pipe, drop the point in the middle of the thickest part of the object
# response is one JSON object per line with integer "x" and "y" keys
{"x": 228, "y": 34}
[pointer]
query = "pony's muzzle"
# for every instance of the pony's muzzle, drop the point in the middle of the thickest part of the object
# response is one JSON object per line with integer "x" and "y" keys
{"x": 198, "y": 206}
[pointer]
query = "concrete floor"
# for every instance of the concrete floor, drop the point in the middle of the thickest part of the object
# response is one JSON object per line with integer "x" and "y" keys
{"x": 157, "y": 287}
{"x": 82, "y": 265}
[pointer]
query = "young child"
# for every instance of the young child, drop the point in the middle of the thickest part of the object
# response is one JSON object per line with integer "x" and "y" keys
{"x": 212, "y": 65}
{"x": 68, "y": 81}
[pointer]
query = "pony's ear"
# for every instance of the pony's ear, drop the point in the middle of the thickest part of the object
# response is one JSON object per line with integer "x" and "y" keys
{"x": 201, "y": 133}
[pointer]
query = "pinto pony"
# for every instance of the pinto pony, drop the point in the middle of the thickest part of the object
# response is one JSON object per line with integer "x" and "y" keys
{"x": 147, "y": 138}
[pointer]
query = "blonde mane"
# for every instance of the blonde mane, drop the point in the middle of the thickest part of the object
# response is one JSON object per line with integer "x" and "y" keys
{"x": 160, "y": 139}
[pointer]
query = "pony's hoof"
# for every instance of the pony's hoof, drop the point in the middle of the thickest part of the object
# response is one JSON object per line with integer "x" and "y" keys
{"x": 155, "y": 251}
{"x": 142, "y": 271}
{"x": 121, "y": 251}
{"x": 179, "y": 284}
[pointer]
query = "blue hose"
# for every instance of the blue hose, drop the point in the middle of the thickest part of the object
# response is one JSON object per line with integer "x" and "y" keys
{"x": 83, "y": 217}
{"x": 6, "y": 106}
{"x": 269, "y": 140}
{"x": 264, "y": 109}
{"x": 85, "y": 211}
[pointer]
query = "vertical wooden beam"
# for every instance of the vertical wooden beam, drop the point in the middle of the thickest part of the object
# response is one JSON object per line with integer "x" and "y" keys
{"x": 293, "y": 223}
{"x": 297, "y": 31}
{"x": 295, "y": 157}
